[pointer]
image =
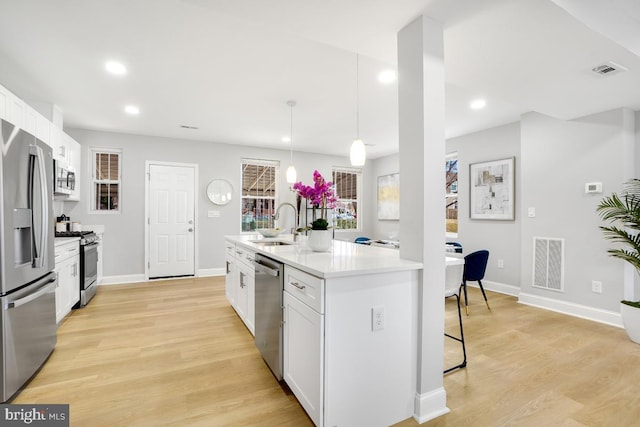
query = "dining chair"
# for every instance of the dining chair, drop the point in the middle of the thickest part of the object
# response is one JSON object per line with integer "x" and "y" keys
{"x": 362, "y": 240}
{"x": 475, "y": 265}
{"x": 453, "y": 277}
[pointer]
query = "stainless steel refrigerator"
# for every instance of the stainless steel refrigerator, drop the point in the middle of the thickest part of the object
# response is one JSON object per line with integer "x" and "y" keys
{"x": 27, "y": 279}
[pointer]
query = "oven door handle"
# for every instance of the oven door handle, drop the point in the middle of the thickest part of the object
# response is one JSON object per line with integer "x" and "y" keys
{"x": 22, "y": 301}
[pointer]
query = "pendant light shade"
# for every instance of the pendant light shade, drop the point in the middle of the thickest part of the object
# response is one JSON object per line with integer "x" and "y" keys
{"x": 358, "y": 152}
{"x": 292, "y": 175}
{"x": 291, "y": 170}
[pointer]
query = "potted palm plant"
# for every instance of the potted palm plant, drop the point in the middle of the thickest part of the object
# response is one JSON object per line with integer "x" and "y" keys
{"x": 623, "y": 214}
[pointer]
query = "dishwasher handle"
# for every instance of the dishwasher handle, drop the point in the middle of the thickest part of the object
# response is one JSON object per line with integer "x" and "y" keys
{"x": 264, "y": 269}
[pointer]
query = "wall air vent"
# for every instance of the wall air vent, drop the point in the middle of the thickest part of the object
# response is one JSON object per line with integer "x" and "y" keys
{"x": 548, "y": 263}
{"x": 189, "y": 127}
{"x": 608, "y": 69}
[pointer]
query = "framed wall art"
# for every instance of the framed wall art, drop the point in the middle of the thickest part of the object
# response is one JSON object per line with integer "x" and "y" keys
{"x": 492, "y": 189}
{"x": 389, "y": 197}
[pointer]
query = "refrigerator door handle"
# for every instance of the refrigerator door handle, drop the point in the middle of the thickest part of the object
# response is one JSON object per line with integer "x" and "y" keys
{"x": 35, "y": 295}
{"x": 41, "y": 256}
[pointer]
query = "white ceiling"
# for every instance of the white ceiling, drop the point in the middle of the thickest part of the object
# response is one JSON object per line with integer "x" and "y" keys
{"x": 229, "y": 67}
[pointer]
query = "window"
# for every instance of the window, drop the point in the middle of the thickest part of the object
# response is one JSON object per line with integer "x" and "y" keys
{"x": 259, "y": 193}
{"x": 451, "y": 196}
{"x": 347, "y": 183}
{"x": 106, "y": 179}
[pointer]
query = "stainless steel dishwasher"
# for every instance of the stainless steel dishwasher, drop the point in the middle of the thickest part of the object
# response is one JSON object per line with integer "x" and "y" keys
{"x": 269, "y": 284}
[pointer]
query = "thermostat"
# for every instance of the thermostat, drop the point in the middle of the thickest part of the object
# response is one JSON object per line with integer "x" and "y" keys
{"x": 593, "y": 187}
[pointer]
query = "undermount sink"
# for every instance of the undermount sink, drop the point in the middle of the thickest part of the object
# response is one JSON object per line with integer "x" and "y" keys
{"x": 271, "y": 243}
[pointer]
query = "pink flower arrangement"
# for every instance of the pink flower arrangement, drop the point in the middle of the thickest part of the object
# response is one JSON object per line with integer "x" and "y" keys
{"x": 321, "y": 195}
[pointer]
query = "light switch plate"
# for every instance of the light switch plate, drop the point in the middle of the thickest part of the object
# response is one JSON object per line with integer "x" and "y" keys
{"x": 531, "y": 212}
{"x": 213, "y": 214}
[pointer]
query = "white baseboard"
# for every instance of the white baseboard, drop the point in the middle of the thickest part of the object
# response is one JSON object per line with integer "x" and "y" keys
{"x": 430, "y": 405}
{"x": 127, "y": 278}
{"x": 502, "y": 288}
{"x": 208, "y": 272}
{"x": 582, "y": 311}
{"x": 137, "y": 278}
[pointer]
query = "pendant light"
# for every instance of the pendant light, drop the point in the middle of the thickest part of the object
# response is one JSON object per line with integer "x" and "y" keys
{"x": 291, "y": 171}
{"x": 358, "y": 152}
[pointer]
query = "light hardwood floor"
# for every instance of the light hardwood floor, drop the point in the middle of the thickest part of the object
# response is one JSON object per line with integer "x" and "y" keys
{"x": 174, "y": 353}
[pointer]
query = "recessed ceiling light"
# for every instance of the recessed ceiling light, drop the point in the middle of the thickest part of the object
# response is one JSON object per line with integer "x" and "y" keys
{"x": 478, "y": 104}
{"x": 115, "y": 68}
{"x": 286, "y": 139}
{"x": 132, "y": 109}
{"x": 387, "y": 76}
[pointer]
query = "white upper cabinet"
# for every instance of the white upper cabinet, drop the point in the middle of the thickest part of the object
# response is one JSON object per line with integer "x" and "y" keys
{"x": 74, "y": 160}
{"x": 12, "y": 108}
{"x": 57, "y": 142}
{"x": 65, "y": 149}
{"x": 43, "y": 128}
{"x": 4, "y": 95}
{"x": 17, "y": 112}
{"x": 29, "y": 120}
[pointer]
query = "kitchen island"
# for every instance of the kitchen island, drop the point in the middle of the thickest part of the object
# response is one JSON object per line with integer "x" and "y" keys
{"x": 350, "y": 334}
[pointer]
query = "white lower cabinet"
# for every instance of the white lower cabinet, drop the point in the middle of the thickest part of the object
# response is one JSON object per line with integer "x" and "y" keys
{"x": 231, "y": 289}
{"x": 246, "y": 295}
{"x": 341, "y": 370}
{"x": 240, "y": 283}
{"x": 303, "y": 355}
{"x": 68, "y": 269}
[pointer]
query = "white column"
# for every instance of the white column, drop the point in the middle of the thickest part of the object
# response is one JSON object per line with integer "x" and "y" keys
{"x": 422, "y": 191}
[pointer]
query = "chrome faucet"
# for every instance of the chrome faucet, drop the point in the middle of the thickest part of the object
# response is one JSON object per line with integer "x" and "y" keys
{"x": 294, "y": 230}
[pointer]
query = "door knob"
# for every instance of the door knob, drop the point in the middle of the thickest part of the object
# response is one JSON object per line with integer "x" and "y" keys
{"x": 190, "y": 221}
{"x": 190, "y": 230}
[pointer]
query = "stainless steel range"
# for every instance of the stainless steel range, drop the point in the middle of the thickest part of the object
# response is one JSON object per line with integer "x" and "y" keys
{"x": 88, "y": 264}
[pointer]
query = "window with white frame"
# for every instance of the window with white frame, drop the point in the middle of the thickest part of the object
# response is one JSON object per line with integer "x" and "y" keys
{"x": 106, "y": 180}
{"x": 259, "y": 193}
{"x": 348, "y": 186}
{"x": 451, "y": 190}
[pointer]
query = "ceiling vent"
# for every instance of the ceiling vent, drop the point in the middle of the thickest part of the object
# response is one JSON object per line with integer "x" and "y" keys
{"x": 608, "y": 69}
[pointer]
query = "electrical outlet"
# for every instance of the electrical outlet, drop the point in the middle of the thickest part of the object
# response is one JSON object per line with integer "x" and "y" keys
{"x": 500, "y": 263}
{"x": 377, "y": 318}
{"x": 596, "y": 287}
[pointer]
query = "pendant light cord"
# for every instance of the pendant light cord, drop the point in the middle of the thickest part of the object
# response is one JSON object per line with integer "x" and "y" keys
{"x": 357, "y": 96}
{"x": 291, "y": 104}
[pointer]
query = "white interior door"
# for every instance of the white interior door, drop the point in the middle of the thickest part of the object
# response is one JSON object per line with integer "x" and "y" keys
{"x": 171, "y": 221}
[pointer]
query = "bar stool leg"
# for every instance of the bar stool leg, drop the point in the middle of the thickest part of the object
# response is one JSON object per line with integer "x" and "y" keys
{"x": 460, "y": 340}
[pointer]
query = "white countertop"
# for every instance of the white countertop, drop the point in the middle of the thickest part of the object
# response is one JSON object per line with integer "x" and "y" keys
{"x": 344, "y": 258}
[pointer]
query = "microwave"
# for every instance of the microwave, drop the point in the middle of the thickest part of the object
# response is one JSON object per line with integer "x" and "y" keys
{"x": 64, "y": 179}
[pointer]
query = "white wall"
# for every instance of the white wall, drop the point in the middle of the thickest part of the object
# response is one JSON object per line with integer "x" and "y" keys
{"x": 558, "y": 158}
{"x": 500, "y": 238}
{"x": 124, "y": 233}
{"x": 385, "y": 229}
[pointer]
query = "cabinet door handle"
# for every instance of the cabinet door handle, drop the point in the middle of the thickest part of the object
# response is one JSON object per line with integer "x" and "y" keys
{"x": 297, "y": 285}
